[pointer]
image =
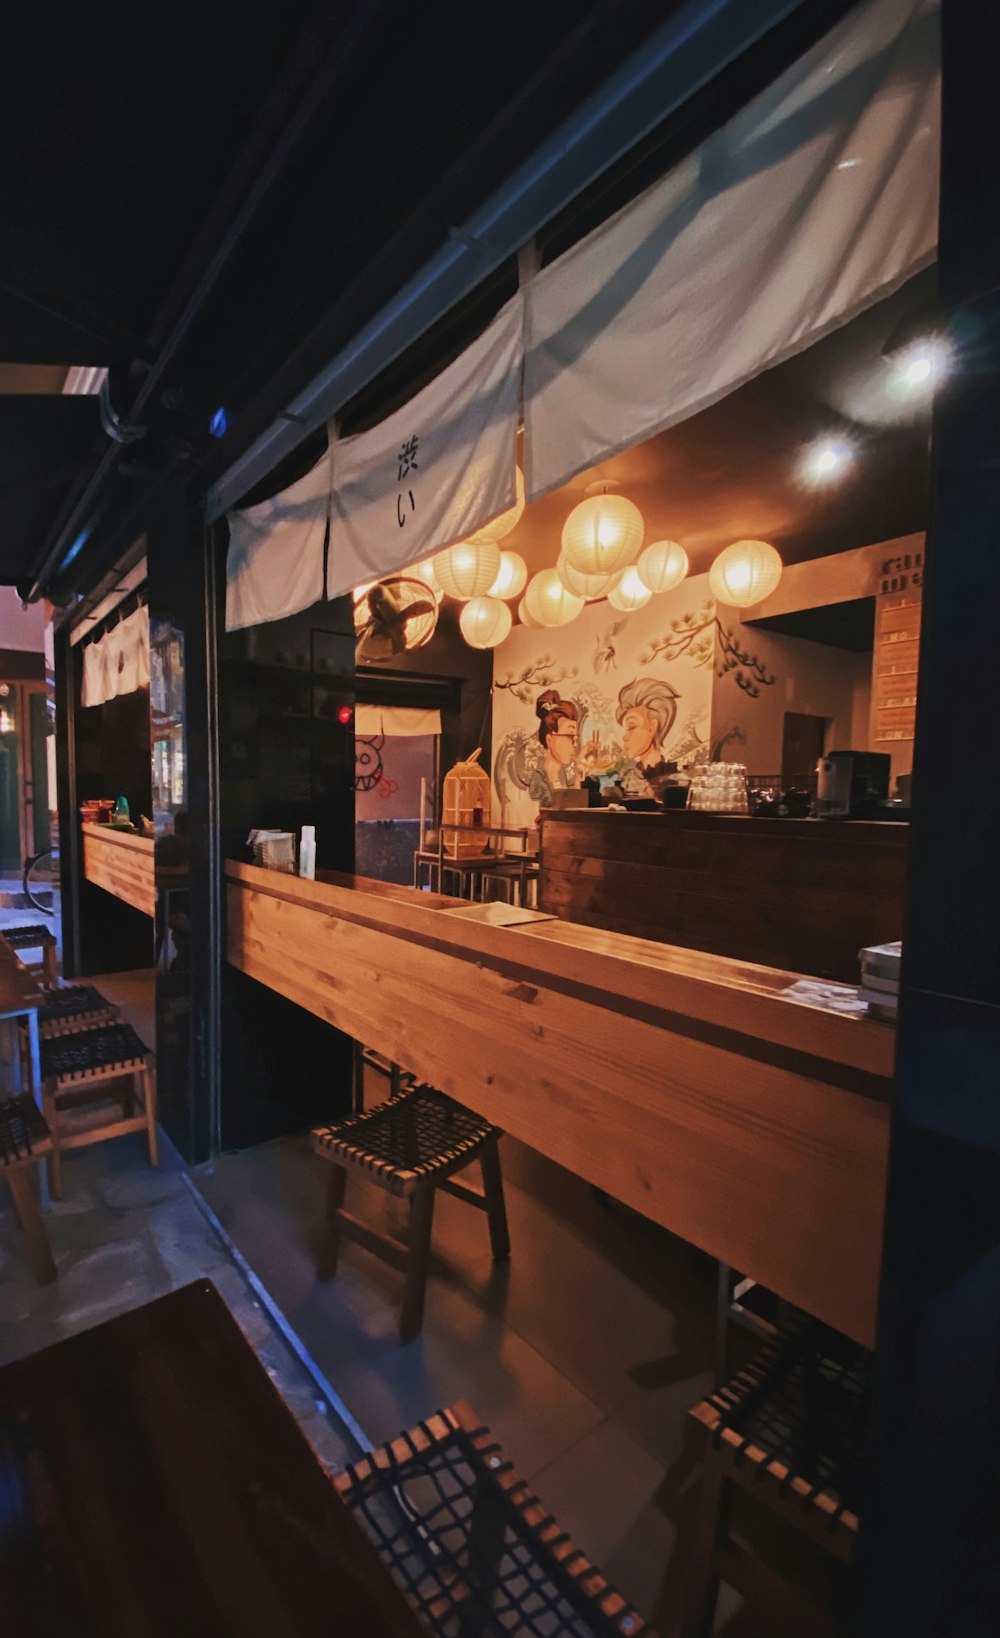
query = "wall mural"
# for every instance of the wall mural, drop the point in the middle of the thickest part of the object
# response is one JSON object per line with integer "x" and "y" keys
{"x": 626, "y": 698}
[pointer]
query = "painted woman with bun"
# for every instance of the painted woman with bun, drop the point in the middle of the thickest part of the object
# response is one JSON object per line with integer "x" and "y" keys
{"x": 559, "y": 732}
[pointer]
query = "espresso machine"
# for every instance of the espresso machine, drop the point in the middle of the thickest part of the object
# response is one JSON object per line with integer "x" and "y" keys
{"x": 852, "y": 784}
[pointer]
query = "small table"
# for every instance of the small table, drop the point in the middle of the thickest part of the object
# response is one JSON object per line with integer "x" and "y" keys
{"x": 21, "y": 997}
{"x": 156, "y": 1484}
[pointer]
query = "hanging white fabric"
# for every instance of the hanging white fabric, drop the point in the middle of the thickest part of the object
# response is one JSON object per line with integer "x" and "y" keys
{"x": 274, "y": 565}
{"x": 435, "y": 470}
{"x": 398, "y": 721}
{"x": 118, "y": 662}
{"x": 816, "y": 200}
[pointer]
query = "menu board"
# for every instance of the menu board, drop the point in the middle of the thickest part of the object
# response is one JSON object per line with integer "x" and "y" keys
{"x": 897, "y": 649}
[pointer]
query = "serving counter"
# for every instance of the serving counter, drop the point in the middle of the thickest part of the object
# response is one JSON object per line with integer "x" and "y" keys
{"x": 122, "y": 864}
{"x": 686, "y": 1085}
{"x": 805, "y": 894}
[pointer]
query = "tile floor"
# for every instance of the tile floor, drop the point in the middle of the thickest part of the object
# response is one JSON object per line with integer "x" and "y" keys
{"x": 582, "y": 1354}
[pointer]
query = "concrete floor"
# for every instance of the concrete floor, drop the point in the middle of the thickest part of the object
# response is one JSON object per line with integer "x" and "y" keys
{"x": 123, "y": 1235}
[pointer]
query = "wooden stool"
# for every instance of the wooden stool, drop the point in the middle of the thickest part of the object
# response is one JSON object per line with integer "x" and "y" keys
{"x": 35, "y": 936}
{"x": 74, "y": 1007}
{"x": 792, "y": 1428}
{"x": 78, "y": 1069}
{"x": 410, "y": 1146}
{"x": 24, "y": 1141}
{"x": 471, "y": 1544}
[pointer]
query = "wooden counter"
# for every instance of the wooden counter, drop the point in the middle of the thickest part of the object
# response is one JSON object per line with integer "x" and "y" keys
{"x": 122, "y": 864}
{"x": 686, "y": 1085}
{"x": 803, "y": 894}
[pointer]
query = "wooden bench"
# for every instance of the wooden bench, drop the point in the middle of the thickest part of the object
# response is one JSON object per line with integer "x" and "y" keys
{"x": 83, "y": 1070}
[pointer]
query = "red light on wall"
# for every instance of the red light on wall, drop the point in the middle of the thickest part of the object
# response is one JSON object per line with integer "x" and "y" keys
{"x": 345, "y": 714}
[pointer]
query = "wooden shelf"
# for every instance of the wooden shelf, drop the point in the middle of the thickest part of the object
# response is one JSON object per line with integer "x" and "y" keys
{"x": 121, "y": 863}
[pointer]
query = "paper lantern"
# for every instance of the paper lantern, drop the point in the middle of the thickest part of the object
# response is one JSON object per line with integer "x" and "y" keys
{"x": 425, "y": 571}
{"x": 662, "y": 565}
{"x": 524, "y": 613}
{"x": 485, "y": 622}
{"x": 501, "y": 526}
{"x": 630, "y": 593}
{"x": 745, "y": 573}
{"x": 468, "y": 569}
{"x": 548, "y": 601}
{"x": 513, "y": 576}
{"x": 602, "y": 534}
{"x": 588, "y": 586}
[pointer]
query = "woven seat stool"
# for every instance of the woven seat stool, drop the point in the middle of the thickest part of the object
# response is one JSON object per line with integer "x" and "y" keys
{"x": 793, "y": 1429}
{"x": 472, "y": 1546}
{"x": 74, "y": 1007}
{"x": 410, "y": 1146}
{"x": 86, "y": 1069}
{"x": 24, "y": 1141}
{"x": 36, "y": 936}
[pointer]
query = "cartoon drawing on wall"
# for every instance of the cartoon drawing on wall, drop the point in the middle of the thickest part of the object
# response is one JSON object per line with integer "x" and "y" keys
{"x": 567, "y": 745}
{"x": 702, "y": 637}
{"x": 605, "y": 656}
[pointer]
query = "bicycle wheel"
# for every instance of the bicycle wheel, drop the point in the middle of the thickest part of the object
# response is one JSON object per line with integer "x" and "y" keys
{"x": 40, "y": 871}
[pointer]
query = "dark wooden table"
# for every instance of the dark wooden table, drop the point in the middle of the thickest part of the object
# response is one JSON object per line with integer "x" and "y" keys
{"x": 154, "y": 1484}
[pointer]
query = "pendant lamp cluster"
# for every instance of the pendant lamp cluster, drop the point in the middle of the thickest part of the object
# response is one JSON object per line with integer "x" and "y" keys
{"x": 602, "y": 556}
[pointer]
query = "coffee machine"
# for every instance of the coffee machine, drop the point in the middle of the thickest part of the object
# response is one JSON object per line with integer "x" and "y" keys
{"x": 852, "y": 784}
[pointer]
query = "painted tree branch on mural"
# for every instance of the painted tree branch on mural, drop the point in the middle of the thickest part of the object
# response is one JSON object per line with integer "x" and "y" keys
{"x": 536, "y": 675}
{"x": 696, "y": 636}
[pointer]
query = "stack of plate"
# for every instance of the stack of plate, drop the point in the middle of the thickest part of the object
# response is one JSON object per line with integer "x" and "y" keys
{"x": 880, "y": 979}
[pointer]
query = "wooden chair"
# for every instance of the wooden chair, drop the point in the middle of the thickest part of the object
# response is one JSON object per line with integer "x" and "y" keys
{"x": 792, "y": 1428}
{"x": 85, "y": 1069}
{"x": 410, "y": 1146}
{"x": 24, "y": 1141}
{"x": 471, "y": 1544}
{"x": 35, "y": 936}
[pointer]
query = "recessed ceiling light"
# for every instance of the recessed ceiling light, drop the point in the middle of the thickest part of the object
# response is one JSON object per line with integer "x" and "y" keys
{"x": 921, "y": 365}
{"x": 826, "y": 460}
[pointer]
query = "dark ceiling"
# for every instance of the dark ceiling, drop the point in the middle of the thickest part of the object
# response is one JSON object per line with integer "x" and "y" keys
{"x": 732, "y": 472}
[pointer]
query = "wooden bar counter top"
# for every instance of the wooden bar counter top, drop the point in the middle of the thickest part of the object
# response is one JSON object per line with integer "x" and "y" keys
{"x": 121, "y": 863}
{"x": 685, "y": 1084}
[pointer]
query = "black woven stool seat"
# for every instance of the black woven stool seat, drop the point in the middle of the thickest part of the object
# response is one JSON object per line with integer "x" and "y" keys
{"x": 72, "y": 1001}
{"x": 471, "y": 1544}
{"x": 22, "y": 1128}
{"x": 407, "y": 1141}
{"x": 91, "y": 1052}
{"x": 799, "y": 1415}
{"x": 28, "y": 935}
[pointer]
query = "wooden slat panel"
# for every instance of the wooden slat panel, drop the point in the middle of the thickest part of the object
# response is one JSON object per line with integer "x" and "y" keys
{"x": 792, "y": 894}
{"x": 770, "y": 1170}
{"x": 121, "y": 864}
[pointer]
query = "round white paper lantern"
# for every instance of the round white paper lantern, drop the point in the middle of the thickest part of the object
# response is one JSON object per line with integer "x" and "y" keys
{"x": 631, "y": 593}
{"x": 524, "y": 614}
{"x": 745, "y": 573}
{"x": 468, "y": 569}
{"x": 485, "y": 622}
{"x": 602, "y": 534}
{"x": 425, "y": 571}
{"x": 662, "y": 565}
{"x": 548, "y": 601}
{"x": 513, "y": 576}
{"x": 501, "y": 526}
{"x": 590, "y": 587}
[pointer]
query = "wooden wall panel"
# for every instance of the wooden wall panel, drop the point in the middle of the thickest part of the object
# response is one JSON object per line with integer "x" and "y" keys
{"x": 801, "y": 895}
{"x": 771, "y": 1170}
{"x": 121, "y": 864}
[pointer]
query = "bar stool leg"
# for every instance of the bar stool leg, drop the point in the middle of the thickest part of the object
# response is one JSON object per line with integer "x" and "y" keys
{"x": 53, "y": 1161}
{"x": 329, "y": 1255}
{"x": 39, "y": 1251}
{"x": 496, "y": 1209}
{"x": 148, "y": 1090}
{"x": 419, "y": 1247}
